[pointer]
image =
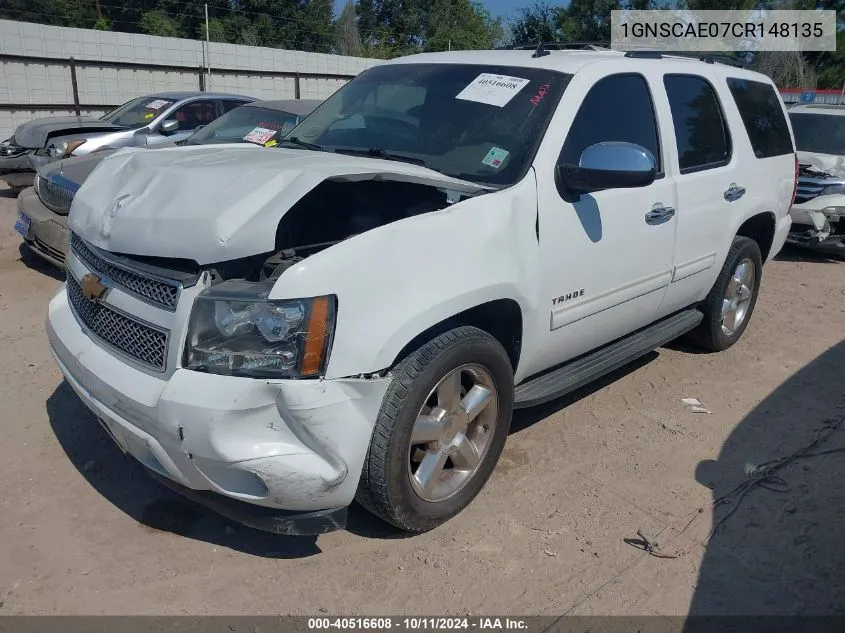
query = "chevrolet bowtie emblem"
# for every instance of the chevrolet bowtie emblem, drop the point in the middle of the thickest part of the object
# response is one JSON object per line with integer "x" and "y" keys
{"x": 92, "y": 288}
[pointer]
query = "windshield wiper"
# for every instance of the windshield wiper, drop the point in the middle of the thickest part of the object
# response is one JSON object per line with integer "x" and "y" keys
{"x": 377, "y": 152}
{"x": 294, "y": 140}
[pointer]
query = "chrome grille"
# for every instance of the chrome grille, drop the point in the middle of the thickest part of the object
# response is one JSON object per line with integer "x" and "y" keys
{"x": 159, "y": 292}
{"x": 56, "y": 193}
{"x": 137, "y": 340}
{"x": 807, "y": 190}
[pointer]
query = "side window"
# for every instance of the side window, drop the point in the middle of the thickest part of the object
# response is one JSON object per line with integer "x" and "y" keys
{"x": 701, "y": 132}
{"x": 762, "y": 116}
{"x": 230, "y": 104}
{"x": 191, "y": 115}
{"x": 617, "y": 108}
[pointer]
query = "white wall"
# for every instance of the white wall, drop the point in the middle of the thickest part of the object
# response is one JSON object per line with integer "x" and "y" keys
{"x": 43, "y": 83}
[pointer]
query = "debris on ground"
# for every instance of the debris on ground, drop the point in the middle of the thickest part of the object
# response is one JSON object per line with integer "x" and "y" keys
{"x": 695, "y": 405}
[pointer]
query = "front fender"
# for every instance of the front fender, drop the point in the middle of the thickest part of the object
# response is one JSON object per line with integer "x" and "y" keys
{"x": 396, "y": 281}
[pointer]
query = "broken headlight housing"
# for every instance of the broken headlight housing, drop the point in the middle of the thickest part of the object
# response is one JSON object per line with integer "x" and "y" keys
{"x": 235, "y": 330}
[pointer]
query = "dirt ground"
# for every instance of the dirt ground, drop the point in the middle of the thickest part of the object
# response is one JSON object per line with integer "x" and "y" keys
{"x": 84, "y": 530}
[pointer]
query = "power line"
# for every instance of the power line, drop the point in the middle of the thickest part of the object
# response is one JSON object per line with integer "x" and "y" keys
{"x": 295, "y": 22}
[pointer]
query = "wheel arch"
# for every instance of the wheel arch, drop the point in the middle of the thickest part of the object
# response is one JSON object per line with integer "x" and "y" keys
{"x": 501, "y": 318}
{"x": 760, "y": 228}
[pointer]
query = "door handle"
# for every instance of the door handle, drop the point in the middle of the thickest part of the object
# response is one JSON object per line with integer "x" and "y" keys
{"x": 659, "y": 214}
{"x": 734, "y": 192}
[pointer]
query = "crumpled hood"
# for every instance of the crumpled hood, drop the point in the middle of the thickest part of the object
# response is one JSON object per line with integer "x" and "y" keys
{"x": 215, "y": 203}
{"x": 34, "y": 134}
{"x": 831, "y": 163}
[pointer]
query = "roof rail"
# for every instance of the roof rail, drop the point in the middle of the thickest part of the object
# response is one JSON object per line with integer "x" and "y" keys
{"x": 706, "y": 58}
{"x": 544, "y": 47}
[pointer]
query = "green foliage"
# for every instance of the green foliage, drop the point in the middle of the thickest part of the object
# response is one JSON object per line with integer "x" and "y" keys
{"x": 157, "y": 23}
{"x": 461, "y": 25}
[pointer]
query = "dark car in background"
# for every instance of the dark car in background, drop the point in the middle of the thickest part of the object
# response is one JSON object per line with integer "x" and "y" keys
{"x": 147, "y": 121}
{"x": 43, "y": 208}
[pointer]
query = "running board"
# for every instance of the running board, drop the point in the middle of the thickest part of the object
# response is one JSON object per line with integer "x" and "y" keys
{"x": 578, "y": 373}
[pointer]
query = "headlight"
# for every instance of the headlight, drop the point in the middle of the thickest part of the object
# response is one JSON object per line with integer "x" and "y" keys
{"x": 64, "y": 149}
{"x": 237, "y": 332}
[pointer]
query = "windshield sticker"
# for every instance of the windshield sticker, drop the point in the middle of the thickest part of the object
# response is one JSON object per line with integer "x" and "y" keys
{"x": 271, "y": 143}
{"x": 495, "y": 157}
{"x": 149, "y": 115}
{"x": 492, "y": 89}
{"x": 158, "y": 104}
{"x": 260, "y": 135}
{"x": 541, "y": 92}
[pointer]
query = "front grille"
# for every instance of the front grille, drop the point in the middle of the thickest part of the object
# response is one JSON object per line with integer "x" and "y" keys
{"x": 139, "y": 341}
{"x": 807, "y": 190}
{"x": 161, "y": 293}
{"x": 56, "y": 195}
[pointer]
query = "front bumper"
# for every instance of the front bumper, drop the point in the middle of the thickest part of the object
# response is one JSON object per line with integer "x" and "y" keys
{"x": 291, "y": 445}
{"x": 19, "y": 170}
{"x": 48, "y": 231}
{"x": 819, "y": 224}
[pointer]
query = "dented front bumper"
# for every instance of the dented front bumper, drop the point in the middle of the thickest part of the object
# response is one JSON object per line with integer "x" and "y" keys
{"x": 297, "y": 446}
{"x": 819, "y": 224}
{"x": 18, "y": 169}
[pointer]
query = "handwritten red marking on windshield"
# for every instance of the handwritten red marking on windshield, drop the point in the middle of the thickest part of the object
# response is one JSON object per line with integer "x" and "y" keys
{"x": 541, "y": 92}
{"x": 271, "y": 126}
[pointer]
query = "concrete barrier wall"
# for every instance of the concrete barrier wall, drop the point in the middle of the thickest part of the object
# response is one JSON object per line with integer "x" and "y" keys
{"x": 37, "y": 75}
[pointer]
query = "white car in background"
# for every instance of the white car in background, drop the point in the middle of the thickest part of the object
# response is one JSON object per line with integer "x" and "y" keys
{"x": 818, "y": 214}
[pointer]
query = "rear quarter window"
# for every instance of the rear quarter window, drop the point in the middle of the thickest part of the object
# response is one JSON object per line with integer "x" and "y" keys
{"x": 763, "y": 118}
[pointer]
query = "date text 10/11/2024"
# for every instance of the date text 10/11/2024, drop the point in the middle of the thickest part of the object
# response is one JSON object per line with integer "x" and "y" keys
{"x": 416, "y": 624}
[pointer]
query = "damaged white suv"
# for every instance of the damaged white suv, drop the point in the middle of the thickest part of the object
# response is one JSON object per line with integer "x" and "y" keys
{"x": 818, "y": 214}
{"x": 356, "y": 313}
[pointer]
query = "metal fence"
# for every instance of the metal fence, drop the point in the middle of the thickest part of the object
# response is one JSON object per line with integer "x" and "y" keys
{"x": 50, "y": 70}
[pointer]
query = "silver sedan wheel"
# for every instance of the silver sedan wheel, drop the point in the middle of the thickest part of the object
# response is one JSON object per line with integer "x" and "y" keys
{"x": 738, "y": 297}
{"x": 452, "y": 432}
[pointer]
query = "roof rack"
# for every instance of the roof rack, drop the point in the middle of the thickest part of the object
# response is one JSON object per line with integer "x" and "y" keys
{"x": 707, "y": 59}
{"x": 541, "y": 49}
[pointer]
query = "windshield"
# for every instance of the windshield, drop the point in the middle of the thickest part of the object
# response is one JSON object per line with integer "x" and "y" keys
{"x": 474, "y": 122}
{"x": 138, "y": 112}
{"x": 819, "y": 133}
{"x": 249, "y": 124}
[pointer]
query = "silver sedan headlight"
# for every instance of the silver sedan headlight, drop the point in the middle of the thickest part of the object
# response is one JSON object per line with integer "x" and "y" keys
{"x": 236, "y": 331}
{"x": 64, "y": 149}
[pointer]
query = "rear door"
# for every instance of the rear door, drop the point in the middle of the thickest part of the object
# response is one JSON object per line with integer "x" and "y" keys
{"x": 709, "y": 177}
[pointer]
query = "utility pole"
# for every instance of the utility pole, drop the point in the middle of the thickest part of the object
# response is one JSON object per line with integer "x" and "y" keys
{"x": 207, "y": 46}
{"x": 841, "y": 94}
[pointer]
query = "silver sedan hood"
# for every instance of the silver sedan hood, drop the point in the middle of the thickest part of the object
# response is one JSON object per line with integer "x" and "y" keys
{"x": 215, "y": 203}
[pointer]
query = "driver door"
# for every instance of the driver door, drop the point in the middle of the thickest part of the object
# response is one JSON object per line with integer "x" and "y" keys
{"x": 607, "y": 256}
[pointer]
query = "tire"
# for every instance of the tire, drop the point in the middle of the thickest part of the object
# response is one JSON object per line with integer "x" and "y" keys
{"x": 716, "y": 333}
{"x": 393, "y": 484}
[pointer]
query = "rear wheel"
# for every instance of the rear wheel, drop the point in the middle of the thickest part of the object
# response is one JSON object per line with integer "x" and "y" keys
{"x": 440, "y": 430}
{"x": 728, "y": 307}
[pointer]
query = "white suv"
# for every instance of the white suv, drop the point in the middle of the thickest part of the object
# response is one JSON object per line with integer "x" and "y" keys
{"x": 818, "y": 214}
{"x": 356, "y": 313}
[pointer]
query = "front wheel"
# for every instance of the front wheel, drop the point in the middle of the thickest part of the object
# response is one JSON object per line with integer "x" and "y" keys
{"x": 440, "y": 430}
{"x": 728, "y": 307}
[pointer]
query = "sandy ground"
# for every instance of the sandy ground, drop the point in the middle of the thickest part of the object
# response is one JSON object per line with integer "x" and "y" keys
{"x": 84, "y": 530}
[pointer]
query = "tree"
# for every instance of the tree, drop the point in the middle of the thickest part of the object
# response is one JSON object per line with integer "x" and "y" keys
{"x": 157, "y": 23}
{"x": 461, "y": 25}
{"x": 316, "y": 31}
{"x": 347, "y": 37}
{"x": 538, "y": 23}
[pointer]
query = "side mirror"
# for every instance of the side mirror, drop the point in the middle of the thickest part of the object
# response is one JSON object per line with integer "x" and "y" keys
{"x": 609, "y": 165}
{"x": 169, "y": 127}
